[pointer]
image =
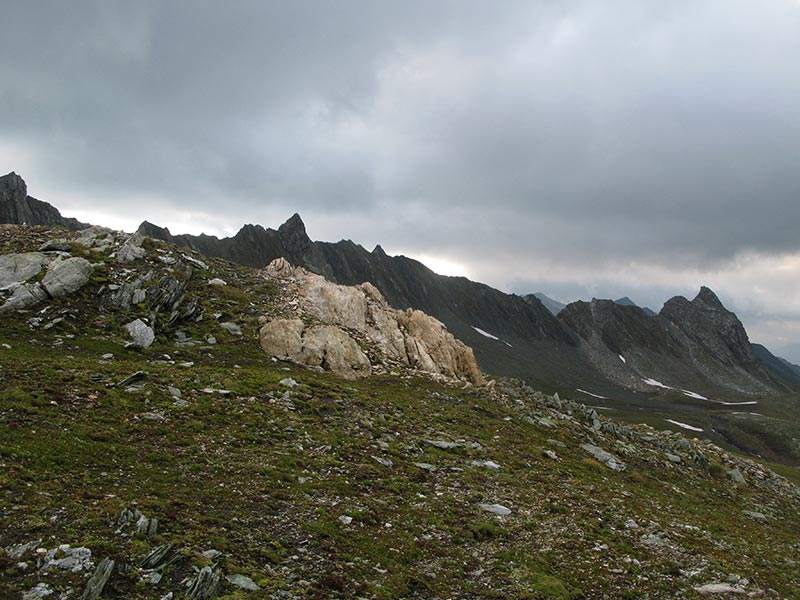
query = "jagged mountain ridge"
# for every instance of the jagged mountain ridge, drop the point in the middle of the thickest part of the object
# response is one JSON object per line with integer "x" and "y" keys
{"x": 527, "y": 340}
{"x": 512, "y": 335}
{"x": 693, "y": 345}
{"x": 16, "y": 207}
{"x": 554, "y": 306}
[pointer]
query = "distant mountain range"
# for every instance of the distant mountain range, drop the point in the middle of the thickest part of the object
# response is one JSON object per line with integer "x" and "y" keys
{"x": 614, "y": 347}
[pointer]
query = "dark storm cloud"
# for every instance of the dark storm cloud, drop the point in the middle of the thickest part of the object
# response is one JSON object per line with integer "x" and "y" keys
{"x": 667, "y": 132}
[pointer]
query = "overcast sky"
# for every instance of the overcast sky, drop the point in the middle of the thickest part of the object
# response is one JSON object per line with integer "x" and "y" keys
{"x": 578, "y": 148}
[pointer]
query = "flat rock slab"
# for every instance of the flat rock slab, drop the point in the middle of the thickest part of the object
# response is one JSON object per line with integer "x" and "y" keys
{"x": 497, "y": 509}
{"x": 608, "y": 459}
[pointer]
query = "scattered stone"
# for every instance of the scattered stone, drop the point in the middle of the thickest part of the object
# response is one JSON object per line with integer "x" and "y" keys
{"x": 497, "y": 509}
{"x": 210, "y": 339}
{"x": 42, "y": 590}
{"x": 205, "y": 585}
{"x": 736, "y": 476}
{"x": 138, "y": 376}
{"x": 384, "y": 461}
{"x": 443, "y": 444}
{"x": 148, "y": 527}
{"x": 160, "y": 558}
{"x": 142, "y": 334}
{"x": 152, "y": 416}
{"x": 608, "y": 459}
{"x": 756, "y": 516}
{"x": 673, "y": 458}
{"x": 107, "y": 356}
{"x": 20, "y": 550}
{"x": 216, "y": 281}
{"x": 98, "y": 581}
{"x": 194, "y": 261}
{"x": 425, "y": 466}
{"x": 231, "y": 328}
{"x": 243, "y": 582}
{"x": 70, "y": 559}
{"x": 720, "y": 588}
{"x": 345, "y": 520}
{"x": 174, "y": 392}
{"x": 212, "y": 554}
{"x": 550, "y": 454}
{"x": 489, "y": 464}
{"x": 631, "y": 524}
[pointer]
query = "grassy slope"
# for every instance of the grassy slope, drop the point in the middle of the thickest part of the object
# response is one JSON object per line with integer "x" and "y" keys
{"x": 264, "y": 476}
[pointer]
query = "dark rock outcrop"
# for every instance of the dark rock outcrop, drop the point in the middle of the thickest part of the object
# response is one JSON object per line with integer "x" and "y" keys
{"x": 16, "y": 207}
{"x": 695, "y": 345}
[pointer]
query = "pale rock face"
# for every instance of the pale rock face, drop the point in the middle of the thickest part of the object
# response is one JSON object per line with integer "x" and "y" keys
{"x": 282, "y": 338}
{"x": 334, "y": 350}
{"x": 66, "y": 276}
{"x": 18, "y": 268}
{"x": 343, "y": 317}
{"x": 336, "y": 304}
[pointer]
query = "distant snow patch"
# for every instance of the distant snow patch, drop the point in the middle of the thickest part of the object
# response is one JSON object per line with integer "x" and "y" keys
{"x": 683, "y": 425}
{"x": 655, "y": 383}
{"x": 622, "y": 358}
{"x": 750, "y": 403}
{"x": 486, "y": 333}
{"x": 490, "y": 336}
{"x": 591, "y": 394}
{"x": 693, "y": 395}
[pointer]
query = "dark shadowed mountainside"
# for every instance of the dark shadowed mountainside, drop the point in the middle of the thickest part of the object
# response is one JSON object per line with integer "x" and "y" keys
{"x": 16, "y": 207}
{"x": 696, "y": 346}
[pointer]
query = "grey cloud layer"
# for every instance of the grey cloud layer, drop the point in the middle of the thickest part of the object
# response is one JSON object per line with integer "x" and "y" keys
{"x": 596, "y": 130}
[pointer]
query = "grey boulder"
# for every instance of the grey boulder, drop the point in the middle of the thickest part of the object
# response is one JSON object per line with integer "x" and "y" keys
{"x": 66, "y": 276}
{"x": 141, "y": 333}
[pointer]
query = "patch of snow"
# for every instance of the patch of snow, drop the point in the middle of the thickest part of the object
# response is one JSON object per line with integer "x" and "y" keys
{"x": 490, "y": 336}
{"x": 683, "y": 425}
{"x": 693, "y": 395}
{"x": 750, "y": 403}
{"x": 622, "y": 358}
{"x": 591, "y": 394}
{"x": 655, "y": 383}
{"x": 485, "y": 333}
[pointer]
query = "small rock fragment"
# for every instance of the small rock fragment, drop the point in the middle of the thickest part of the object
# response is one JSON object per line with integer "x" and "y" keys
{"x": 497, "y": 509}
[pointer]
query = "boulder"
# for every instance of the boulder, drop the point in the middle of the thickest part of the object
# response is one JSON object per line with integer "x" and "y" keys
{"x": 608, "y": 459}
{"x": 66, "y": 276}
{"x": 142, "y": 334}
{"x": 132, "y": 249}
{"x": 343, "y": 319}
{"x": 18, "y": 268}
{"x": 23, "y": 296}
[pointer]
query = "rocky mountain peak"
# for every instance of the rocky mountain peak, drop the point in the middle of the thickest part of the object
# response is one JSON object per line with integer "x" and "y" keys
{"x": 708, "y": 298}
{"x": 16, "y": 207}
{"x": 293, "y": 235}
{"x": 12, "y": 182}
